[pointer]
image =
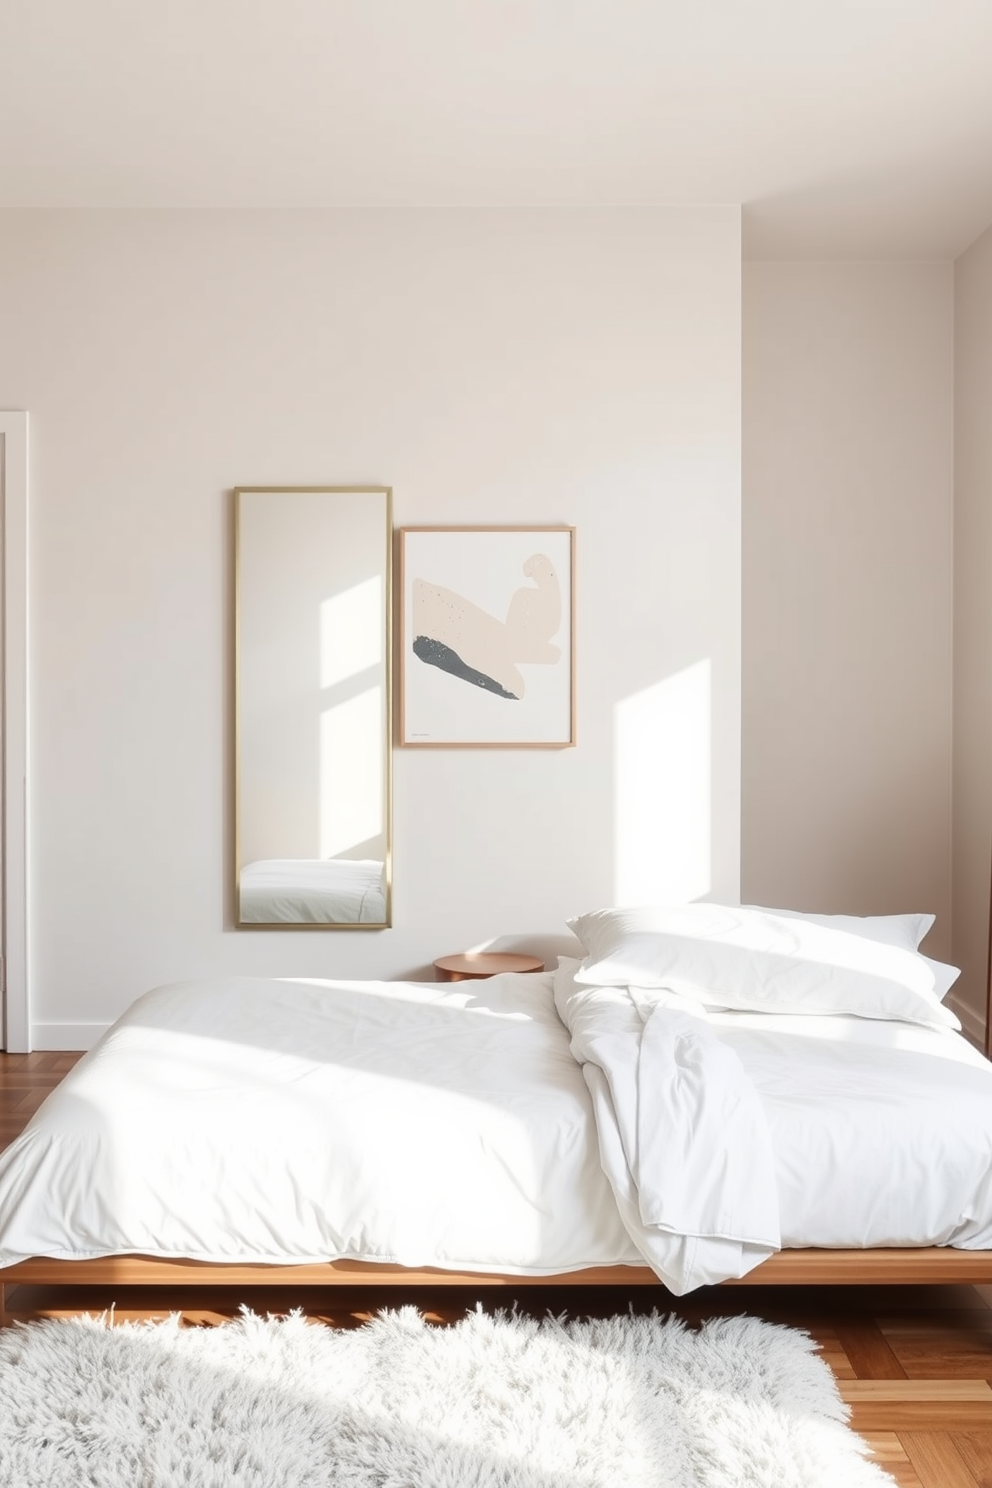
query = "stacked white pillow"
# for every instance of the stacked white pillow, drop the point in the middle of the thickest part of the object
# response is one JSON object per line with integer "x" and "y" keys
{"x": 905, "y": 930}
{"x": 748, "y": 958}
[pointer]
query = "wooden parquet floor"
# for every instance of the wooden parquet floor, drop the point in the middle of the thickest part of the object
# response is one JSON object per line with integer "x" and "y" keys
{"x": 914, "y": 1363}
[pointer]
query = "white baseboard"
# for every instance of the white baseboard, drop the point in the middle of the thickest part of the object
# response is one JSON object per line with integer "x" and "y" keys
{"x": 65, "y": 1038}
{"x": 972, "y": 1024}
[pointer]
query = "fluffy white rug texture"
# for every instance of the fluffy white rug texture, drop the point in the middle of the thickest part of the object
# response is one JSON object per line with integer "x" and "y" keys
{"x": 490, "y": 1402}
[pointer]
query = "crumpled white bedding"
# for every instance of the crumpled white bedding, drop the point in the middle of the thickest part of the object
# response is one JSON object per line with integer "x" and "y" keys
{"x": 683, "y": 1134}
{"x": 451, "y": 1125}
{"x": 729, "y": 1135}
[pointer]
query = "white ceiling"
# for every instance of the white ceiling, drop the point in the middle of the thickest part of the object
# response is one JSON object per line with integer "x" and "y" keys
{"x": 851, "y": 128}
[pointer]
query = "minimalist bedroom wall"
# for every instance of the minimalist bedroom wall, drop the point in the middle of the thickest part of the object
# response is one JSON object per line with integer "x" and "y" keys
{"x": 973, "y": 619}
{"x": 847, "y": 587}
{"x": 504, "y": 368}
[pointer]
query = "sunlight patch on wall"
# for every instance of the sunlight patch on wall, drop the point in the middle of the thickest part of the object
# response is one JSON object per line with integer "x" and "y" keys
{"x": 663, "y": 791}
{"x": 354, "y": 815}
{"x": 351, "y": 632}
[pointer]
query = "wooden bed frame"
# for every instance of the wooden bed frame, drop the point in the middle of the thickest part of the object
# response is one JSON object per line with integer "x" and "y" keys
{"x": 876, "y": 1267}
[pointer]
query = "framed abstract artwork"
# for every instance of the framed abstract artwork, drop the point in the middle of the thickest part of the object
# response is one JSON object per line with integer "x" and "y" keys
{"x": 486, "y": 634}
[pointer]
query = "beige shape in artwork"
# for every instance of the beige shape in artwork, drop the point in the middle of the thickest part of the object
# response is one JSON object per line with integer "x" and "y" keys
{"x": 490, "y": 649}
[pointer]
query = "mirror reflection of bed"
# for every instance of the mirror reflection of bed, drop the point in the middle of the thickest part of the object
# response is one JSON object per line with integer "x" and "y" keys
{"x": 312, "y": 762}
{"x": 313, "y": 891}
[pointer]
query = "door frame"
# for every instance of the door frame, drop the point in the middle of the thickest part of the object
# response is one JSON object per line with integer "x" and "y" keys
{"x": 14, "y": 729}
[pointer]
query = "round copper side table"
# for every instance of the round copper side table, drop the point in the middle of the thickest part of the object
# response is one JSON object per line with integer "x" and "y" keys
{"x": 473, "y": 965}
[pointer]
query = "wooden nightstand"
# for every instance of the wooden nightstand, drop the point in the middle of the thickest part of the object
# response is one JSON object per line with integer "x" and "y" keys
{"x": 476, "y": 964}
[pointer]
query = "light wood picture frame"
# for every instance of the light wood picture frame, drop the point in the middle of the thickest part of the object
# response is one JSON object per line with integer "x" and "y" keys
{"x": 487, "y": 637}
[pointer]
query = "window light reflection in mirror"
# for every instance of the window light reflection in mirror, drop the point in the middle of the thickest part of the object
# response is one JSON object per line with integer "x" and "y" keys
{"x": 313, "y": 708}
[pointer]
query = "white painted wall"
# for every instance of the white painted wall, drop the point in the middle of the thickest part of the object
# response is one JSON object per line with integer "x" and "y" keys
{"x": 532, "y": 367}
{"x": 847, "y": 532}
{"x": 973, "y": 620}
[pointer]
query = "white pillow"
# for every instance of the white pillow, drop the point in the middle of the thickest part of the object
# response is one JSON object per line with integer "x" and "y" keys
{"x": 944, "y": 976}
{"x": 747, "y": 958}
{"x": 905, "y": 930}
{"x": 898, "y": 930}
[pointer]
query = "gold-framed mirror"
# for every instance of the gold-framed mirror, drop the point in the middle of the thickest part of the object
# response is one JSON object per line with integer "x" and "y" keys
{"x": 313, "y": 714}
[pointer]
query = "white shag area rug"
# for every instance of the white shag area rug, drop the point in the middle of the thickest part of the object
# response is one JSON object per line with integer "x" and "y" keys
{"x": 490, "y": 1402}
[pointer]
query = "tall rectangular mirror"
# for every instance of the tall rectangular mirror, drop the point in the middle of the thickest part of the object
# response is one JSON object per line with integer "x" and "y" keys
{"x": 312, "y": 712}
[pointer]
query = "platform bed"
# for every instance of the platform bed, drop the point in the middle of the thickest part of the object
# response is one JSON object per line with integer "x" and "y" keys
{"x": 275, "y": 1119}
{"x": 931, "y": 1265}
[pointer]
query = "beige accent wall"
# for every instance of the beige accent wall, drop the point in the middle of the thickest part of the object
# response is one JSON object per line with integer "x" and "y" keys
{"x": 973, "y": 619}
{"x": 518, "y": 367}
{"x": 847, "y": 533}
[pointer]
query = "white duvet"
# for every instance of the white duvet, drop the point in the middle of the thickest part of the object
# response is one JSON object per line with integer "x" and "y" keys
{"x": 471, "y": 1126}
{"x": 285, "y": 1121}
{"x": 882, "y": 1132}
